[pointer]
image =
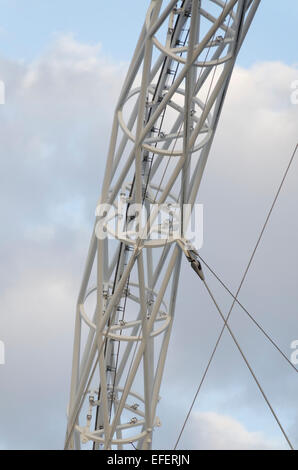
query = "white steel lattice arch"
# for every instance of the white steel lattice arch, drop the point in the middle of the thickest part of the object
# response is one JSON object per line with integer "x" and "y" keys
{"x": 163, "y": 129}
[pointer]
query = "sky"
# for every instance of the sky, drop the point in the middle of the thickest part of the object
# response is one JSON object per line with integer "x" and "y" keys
{"x": 63, "y": 64}
{"x": 28, "y": 27}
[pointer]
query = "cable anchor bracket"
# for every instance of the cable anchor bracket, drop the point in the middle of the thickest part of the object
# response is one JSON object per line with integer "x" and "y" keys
{"x": 192, "y": 257}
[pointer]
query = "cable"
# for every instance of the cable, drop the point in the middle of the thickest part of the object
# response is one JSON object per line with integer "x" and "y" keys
{"x": 237, "y": 293}
{"x": 249, "y": 366}
{"x": 248, "y": 314}
{"x": 198, "y": 391}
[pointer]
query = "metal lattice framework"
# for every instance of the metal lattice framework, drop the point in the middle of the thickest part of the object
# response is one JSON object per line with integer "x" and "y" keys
{"x": 163, "y": 129}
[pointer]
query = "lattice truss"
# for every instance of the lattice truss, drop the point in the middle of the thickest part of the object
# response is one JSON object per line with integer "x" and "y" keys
{"x": 163, "y": 128}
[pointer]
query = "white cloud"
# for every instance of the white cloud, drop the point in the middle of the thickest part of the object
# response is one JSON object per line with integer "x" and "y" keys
{"x": 55, "y": 129}
{"x": 220, "y": 432}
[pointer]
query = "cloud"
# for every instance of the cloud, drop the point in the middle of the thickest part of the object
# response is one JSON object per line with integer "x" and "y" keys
{"x": 55, "y": 128}
{"x": 59, "y": 105}
{"x": 213, "y": 431}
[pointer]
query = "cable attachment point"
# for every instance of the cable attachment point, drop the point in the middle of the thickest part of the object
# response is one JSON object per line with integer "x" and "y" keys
{"x": 192, "y": 256}
{"x": 197, "y": 267}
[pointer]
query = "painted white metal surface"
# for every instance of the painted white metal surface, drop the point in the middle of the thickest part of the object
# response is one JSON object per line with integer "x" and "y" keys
{"x": 163, "y": 128}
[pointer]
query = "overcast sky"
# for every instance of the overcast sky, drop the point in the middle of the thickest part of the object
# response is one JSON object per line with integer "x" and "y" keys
{"x": 63, "y": 64}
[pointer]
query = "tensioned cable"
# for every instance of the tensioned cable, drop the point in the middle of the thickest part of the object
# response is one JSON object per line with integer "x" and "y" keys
{"x": 249, "y": 367}
{"x": 237, "y": 293}
{"x": 248, "y": 314}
